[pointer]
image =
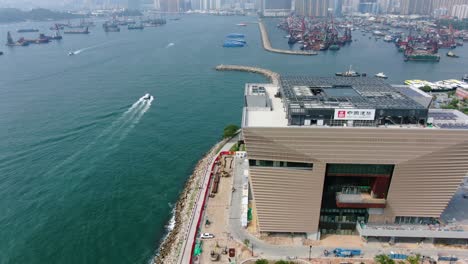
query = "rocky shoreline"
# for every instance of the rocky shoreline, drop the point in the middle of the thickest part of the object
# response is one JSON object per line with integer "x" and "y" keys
{"x": 170, "y": 248}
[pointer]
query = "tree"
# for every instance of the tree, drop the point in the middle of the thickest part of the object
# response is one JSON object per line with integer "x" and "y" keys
{"x": 230, "y": 131}
{"x": 414, "y": 259}
{"x": 426, "y": 88}
{"x": 283, "y": 262}
{"x": 384, "y": 259}
{"x": 261, "y": 261}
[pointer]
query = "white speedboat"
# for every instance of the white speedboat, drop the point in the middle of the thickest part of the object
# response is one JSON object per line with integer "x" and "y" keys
{"x": 147, "y": 96}
{"x": 381, "y": 75}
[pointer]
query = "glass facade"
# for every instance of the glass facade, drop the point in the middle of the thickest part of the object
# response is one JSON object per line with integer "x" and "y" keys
{"x": 372, "y": 180}
{"x": 283, "y": 164}
{"x": 411, "y": 220}
{"x": 359, "y": 170}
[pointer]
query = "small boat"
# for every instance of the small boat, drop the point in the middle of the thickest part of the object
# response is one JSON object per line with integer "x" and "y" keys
{"x": 235, "y": 35}
{"x": 1, "y": 53}
{"x": 381, "y": 75}
{"x": 452, "y": 55}
{"x": 241, "y": 25}
{"x": 465, "y": 78}
{"x": 147, "y": 97}
{"x": 349, "y": 73}
{"x": 233, "y": 44}
{"x": 388, "y": 38}
{"x": 238, "y": 40}
{"x": 334, "y": 47}
{"x": 71, "y": 53}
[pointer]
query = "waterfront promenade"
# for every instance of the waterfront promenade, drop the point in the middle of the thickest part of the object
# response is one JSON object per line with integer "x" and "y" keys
{"x": 177, "y": 246}
{"x": 273, "y": 76}
{"x": 267, "y": 45}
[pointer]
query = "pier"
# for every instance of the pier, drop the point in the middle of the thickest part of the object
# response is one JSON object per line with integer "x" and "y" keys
{"x": 273, "y": 76}
{"x": 267, "y": 44}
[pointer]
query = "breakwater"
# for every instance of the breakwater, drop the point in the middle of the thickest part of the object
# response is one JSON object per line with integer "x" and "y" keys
{"x": 267, "y": 45}
{"x": 273, "y": 76}
{"x": 173, "y": 246}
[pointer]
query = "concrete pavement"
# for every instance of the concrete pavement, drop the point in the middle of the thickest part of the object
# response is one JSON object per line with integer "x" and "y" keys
{"x": 263, "y": 249}
{"x": 185, "y": 255}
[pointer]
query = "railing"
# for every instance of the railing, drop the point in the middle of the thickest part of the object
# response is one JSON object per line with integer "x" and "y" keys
{"x": 418, "y": 231}
{"x": 204, "y": 201}
{"x": 363, "y": 198}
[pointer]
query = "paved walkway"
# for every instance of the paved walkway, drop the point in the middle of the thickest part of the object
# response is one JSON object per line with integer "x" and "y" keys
{"x": 187, "y": 245}
{"x": 263, "y": 249}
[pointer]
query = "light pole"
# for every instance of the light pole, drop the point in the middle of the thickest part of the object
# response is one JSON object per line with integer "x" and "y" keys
{"x": 310, "y": 251}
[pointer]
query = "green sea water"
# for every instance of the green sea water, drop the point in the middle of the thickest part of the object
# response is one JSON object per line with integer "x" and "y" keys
{"x": 89, "y": 171}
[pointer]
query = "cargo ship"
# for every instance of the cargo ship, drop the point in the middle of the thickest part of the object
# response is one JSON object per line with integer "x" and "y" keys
{"x": 420, "y": 56}
{"x": 41, "y": 40}
{"x": 84, "y": 31}
{"x": 27, "y": 30}
{"x": 20, "y": 42}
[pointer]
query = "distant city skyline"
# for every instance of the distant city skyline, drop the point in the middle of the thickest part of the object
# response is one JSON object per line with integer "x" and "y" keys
{"x": 314, "y": 8}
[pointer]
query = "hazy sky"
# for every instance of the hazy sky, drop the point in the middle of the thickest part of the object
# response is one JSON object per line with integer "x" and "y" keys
{"x": 40, "y": 3}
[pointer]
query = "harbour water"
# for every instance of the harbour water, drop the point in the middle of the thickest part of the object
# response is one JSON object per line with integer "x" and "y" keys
{"x": 89, "y": 171}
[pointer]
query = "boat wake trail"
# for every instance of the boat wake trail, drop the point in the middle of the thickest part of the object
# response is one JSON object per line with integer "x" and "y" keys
{"x": 111, "y": 136}
{"x": 76, "y": 52}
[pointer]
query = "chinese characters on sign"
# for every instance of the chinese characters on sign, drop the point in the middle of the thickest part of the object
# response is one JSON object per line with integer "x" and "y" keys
{"x": 354, "y": 114}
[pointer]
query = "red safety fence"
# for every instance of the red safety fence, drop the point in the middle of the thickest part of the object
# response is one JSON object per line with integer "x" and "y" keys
{"x": 204, "y": 200}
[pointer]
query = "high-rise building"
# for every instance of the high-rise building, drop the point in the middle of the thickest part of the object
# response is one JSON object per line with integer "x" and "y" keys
{"x": 338, "y": 7}
{"x": 349, "y": 6}
{"x": 314, "y": 8}
{"x": 351, "y": 156}
{"x": 418, "y": 7}
{"x": 460, "y": 11}
{"x": 170, "y": 5}
{"x": 368, "y": 6}
{"x": 133, "y": 4}
{"x": 276, "y": 7}
{"x": 448, "y": 4}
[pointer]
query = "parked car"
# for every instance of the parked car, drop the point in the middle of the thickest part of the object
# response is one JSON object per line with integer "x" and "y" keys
{"x": 206, "y": 236}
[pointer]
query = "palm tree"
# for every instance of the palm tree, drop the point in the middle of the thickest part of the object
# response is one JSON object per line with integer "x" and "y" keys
{"x": 384, "y": 259}
{"x": 414, "y": 259}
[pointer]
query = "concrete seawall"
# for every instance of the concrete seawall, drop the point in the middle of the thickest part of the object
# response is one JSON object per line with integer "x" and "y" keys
{"x": 273, "y": 76}
{"x": 267, "y": 45}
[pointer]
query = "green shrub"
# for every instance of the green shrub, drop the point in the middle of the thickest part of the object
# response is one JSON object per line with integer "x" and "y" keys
{"x": 230, "y": 131}
{"x": 261, "y": 261}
